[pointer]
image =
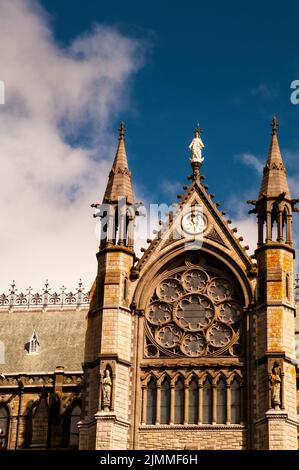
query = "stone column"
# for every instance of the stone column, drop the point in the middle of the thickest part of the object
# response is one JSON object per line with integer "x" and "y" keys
{"x": 200, "y": 403}
{"x": 228, "y": 404}
{"x": 172, "y": 398}
{"x": 158, "y": 410}
{"x": 144, "y": 403}
{"x": 214, "y": 404}
{"x": 186, "y": 404}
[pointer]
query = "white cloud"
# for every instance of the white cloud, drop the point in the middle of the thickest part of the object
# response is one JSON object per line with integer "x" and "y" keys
{"x": 237, "y": 209}
{"x": 265, "y": 91}
{"x": 49, "y": 179}
{"x": 252, "y": 161}
{"x": 171, "y": 188}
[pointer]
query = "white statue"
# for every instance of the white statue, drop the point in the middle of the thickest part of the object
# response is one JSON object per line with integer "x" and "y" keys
{"x": 196, "y": 147}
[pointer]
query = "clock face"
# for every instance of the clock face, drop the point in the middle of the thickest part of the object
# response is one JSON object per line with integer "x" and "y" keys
{"x": 194, "y": 222}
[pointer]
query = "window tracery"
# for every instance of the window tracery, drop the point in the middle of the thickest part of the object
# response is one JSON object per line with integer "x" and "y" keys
{"x": 197, "y": 400}
{"x": 193, "y": 311}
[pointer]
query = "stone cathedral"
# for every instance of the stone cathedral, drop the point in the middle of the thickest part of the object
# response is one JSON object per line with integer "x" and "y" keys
{"x": 190, "y": 346}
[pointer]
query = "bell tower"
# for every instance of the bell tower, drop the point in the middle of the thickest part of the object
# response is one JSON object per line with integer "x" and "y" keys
{"x": 274, "y": 378}
{"x": 107, "y": 361}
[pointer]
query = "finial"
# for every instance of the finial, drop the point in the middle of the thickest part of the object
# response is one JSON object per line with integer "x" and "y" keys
{"x": 80, "y": 285}
{"x": 122, "y": 130}
{"x": 274, "y": 125}
{"x": 46, "y": 288}
{"x": 13, "y": 288}
{"x": 197, "y": 130}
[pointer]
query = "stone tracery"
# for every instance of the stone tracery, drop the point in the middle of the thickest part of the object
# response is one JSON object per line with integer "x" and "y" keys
{"x": 193, "y": 312}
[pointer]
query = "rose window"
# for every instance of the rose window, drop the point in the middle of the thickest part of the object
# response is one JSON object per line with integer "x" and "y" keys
{"x": 193, "y": 345}
{"x": 220, "y": 289}
{"x": 230, "y": 312}
{"x": 195, "y": 280}
{"x": 159, "y": 313}
{"x": 168, "y": 336}
{"x": 170, "y": 290}
{"x": 219, "y": 335}
{"x": 193, "y": 312}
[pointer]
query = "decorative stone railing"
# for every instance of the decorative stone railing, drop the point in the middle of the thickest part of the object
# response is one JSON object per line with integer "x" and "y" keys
{"x": 46, "y": 299}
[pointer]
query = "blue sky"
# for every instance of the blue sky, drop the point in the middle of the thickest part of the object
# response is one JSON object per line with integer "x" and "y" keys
{"x": 73, "y": 69}
{"x": 227, "y": 65}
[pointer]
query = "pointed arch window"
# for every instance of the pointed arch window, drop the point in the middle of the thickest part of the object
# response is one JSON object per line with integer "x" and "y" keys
{"x": 165, "y": 402}
{"x": 151, "y": 406}
{"x": 179, "y": 402}
{"x": 73, "y": 428}
{"x": 207, "y": 402}
{"x": 235, "y": 402}
{"x": 221, "y": 402}
{"x": 33, "y": 344}
{"x": 4, "y": 425}
{"x": 193, "y": 402}
{"x": 40, "y": 424}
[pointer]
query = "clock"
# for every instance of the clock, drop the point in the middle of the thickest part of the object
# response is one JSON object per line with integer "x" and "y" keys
{"x": 194, "y": 222}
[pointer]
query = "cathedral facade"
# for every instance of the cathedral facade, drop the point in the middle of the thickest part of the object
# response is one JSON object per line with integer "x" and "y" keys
{"x": 190, "y": 346}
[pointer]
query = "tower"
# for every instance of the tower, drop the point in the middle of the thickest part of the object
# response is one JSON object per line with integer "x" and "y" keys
{"x": 274, "y": 366}
{"x": 107, "y": 361}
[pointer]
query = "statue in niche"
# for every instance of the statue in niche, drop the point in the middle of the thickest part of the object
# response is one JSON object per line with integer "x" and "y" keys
{"x": 275, "y": 379}
{"x": 196, "y": 147}
{"x": 107, "y": 387}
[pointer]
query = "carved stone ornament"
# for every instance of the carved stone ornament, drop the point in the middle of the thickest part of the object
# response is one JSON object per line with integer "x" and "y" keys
{"x": 193, "y": 312}
{"x": 107, "y": 387}
{"x": 275, "y": 380}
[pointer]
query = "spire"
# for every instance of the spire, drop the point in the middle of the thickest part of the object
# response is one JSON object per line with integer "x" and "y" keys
{"x": 274, "y": 181}
{"x": 119, "y": 182}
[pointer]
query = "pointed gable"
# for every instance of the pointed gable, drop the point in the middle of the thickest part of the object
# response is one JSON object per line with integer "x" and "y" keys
{"x": 217, "y": 235}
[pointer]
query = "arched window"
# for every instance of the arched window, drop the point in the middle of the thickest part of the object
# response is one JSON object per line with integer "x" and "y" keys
{"x": 179, "y": 402}
{"x": 40, "y": 424}
{"x": 221, "y": 402}
{"x": 235, "y": 402}
{"x": 125, "y": 288}
{"x": 73, "y": 429}
{"x": 207, "y": 402}
{"x": 288, "y": 286}
{"x": 193, "y": 402}
{"x": 151, "y": 402}
{"x": 165, "y": 402}
{"x": 4, "y": 423}
{"x": 33, "y": 344}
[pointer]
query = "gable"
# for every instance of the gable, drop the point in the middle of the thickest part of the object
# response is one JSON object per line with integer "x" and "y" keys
{"x": 216, "y": 235}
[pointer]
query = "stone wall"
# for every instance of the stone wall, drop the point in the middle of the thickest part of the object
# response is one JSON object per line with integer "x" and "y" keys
{"x": 196, "y": 438}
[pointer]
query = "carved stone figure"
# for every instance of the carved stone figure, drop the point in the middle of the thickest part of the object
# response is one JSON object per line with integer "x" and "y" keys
{"x": 275, "y": 380}
{"x": 107, "y": 387}
{"x": 196, "y": 147}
